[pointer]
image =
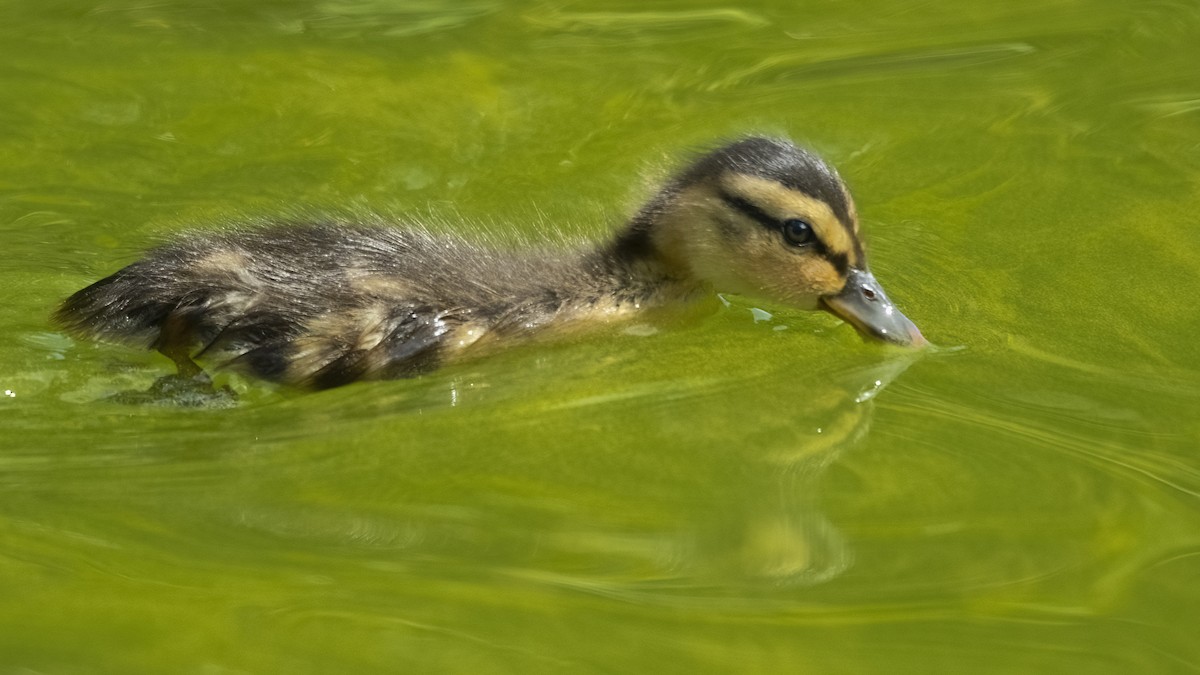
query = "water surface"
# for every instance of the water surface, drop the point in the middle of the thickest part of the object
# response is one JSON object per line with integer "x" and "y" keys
{"x": 724, "y": 495}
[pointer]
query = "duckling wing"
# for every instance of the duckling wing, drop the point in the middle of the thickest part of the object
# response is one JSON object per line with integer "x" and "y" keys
{"x": 370, "y": 342}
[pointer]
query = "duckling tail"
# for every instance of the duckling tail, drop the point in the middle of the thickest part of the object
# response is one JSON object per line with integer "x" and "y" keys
{"x": 165, "y": 301}
{"x": 117, "y": 309}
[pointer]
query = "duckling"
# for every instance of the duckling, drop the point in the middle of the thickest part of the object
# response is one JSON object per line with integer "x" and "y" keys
{"x": 322, "y": 305}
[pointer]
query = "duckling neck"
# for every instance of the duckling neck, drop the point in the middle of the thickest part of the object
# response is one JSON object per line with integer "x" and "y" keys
{"x": 635, "y": 243}
{"x": 636, "y": 265}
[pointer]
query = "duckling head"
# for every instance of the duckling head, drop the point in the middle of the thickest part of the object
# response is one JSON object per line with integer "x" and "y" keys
{"x": 763, "y": 218}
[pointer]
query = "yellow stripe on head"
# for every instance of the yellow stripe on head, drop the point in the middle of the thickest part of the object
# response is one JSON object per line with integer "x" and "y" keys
{"x": 784, "y": 203}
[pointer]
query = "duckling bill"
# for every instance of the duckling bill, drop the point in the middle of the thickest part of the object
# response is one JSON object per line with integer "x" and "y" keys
{"x": 322, "y": 305}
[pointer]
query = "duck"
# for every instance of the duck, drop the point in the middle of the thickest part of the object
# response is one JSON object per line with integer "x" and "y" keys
{"x": 320, "y": 305}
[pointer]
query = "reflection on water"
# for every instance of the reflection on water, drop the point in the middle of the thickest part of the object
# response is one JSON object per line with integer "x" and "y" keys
{"x": 745, "y": 522}
{"x": 779, "y": 533}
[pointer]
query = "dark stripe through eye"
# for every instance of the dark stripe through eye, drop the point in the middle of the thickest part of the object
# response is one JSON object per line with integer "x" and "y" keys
{"x": 839, "y": 260}
{"x": 750, "y": 210}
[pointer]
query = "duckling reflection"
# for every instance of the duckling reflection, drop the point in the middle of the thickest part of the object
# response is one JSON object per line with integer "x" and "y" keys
{"x": 779, "y": 534}
{"x": 323, "y": 305}
{"x": 742, "y": 521}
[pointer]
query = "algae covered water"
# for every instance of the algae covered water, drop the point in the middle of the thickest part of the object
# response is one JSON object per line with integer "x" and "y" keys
{"x": 747, "y": 490}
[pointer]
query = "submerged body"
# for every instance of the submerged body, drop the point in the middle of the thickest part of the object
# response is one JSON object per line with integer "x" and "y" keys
{"x": 323, "y": 305}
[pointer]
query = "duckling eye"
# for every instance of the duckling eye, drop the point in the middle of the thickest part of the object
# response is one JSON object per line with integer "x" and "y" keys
{"x": 798, "y": 232}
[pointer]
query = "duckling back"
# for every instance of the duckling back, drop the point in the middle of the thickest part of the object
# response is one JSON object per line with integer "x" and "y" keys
{"x": 321, "y": 305}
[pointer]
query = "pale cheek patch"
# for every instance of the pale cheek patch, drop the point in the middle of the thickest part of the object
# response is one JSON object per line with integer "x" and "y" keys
{"x": 731, "y": 265}
{"x": 824, "y": 278}
{"x": 801, "y": 284}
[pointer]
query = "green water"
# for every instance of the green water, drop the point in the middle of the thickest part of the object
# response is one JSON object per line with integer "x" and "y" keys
{"x": 720, "y": 496}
